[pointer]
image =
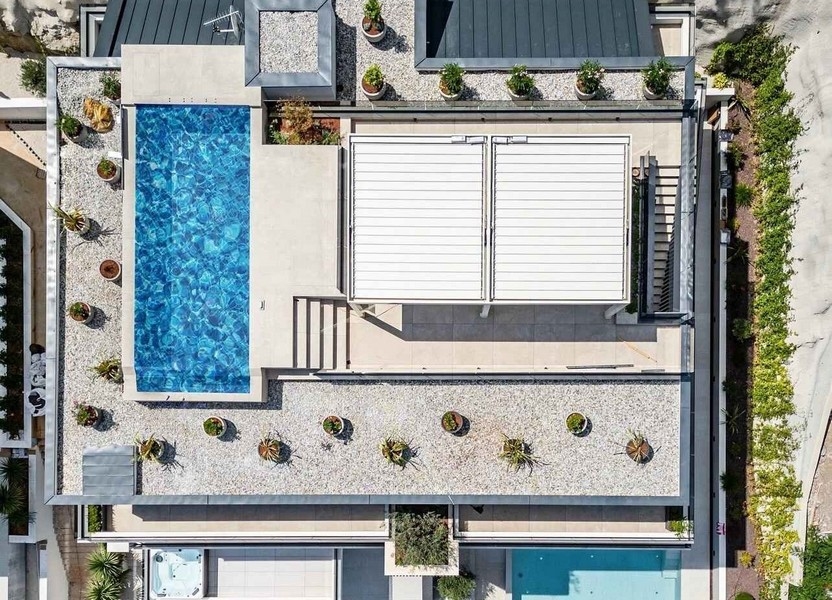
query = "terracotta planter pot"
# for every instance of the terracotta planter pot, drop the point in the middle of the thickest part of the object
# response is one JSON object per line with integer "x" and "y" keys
{"x": 651, "y": 95}
{"x": 112, "y": 178}
{"x": 110, "y": 269}
{"x": 583, "y": 96}
{"x": 373, "y": 34}
{"x": 93, "y": 421}
{"x": 372, "y": 93}
{"x": 90, "y": 312}
{"x": 85, "y": 227}
{"x": 457, "y": 419}
{"x": 221, "y": 422}
{"x": 271, "y": 451}
{"x": 638, "y": 451}
{"x": 333, "y": 425}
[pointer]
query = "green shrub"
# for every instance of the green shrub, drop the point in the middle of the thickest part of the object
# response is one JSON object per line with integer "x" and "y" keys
{"x": 730, "y": 482}
{"x": 743, "y": 596}
{"x": 743, "y": 195}
{"x": 450, "y": 79}
{"x": 520, "y": 82}
{"x": 33, "y": 75}
{"x": 681, "y": 527}
{"x": 590, "y": 76}
{"x": 106, "y": 564}
{"x": 111, "y": 87}
{"x": 374, "y": 77}
{"x": 817, "y": 568}
{"x": 103, "y": 588}
{"x": 741, "y": 329}
{"x": 736, "y": 157}
{"x": 656, "y": 76}
{"x": 753, "y": 58}
{"x": 721, "y": 81}
{"x": 456, "y": 587}
{"x": 95, "y": 518}
{"x": 420, "y": 539}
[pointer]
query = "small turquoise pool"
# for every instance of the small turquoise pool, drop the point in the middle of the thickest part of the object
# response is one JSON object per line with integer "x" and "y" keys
{"x": 543, "y": 574}
{"x": 191, "y": 314}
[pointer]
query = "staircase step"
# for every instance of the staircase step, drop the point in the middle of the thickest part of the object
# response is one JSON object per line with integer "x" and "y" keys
{"x": 301, "y": 333}
{"x": 327, "y": 334}
{"x": 341, "y": 333}
{"x": 314, "y": 337}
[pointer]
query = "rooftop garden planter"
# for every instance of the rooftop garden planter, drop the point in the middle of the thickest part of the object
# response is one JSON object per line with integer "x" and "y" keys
{"x": 372, "y": 24}
{"x": 81, "y": 312}
{"x": 373, "y": 83}
{"x": 638, "y": 448}
{"x": 456, "y": 587}
{"x": 111, "y": 87}
{"x": 517, "y": 454}
{"x": 108, "y": 171}
{"x": 14, "y": 495}
{"x": 452, "y": 422}
{"x": 215, "y": 426}
{"x": 576, "y": 423}
{"x": 72, "y": 220}
{"x": 656, "y": 78}
{"x": 520, "y": 84}
{"x": 100, "y": 115}
{"x": 588, "y": 81}
{"x": 150, "y": 449}
{"x": 110, "y": 370}
{"x": 86, "y": 415}
{"x": 73, "y": 129}
{"x": 395, "y": 451}
{"x": 110, "y": 269}
{"x": 298, "y": 127}
{"x": 271, "y": 449}
{"x": 450, "y": 81}
{"x": 421, "y": 538}
{"x": 333, "y": 425}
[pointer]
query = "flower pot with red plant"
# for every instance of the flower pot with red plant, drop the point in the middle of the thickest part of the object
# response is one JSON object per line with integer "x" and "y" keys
{"x": 372, "y": 24}
{"x": 108, "y": 171}
{"x": 333, "y": 425}
{"x": 373, "y": 84}
{"x": 452, "y": 422}
{"x": 110, "y": 269}
{"x": 81, "y": 312}
{"x": 86, "y": 415}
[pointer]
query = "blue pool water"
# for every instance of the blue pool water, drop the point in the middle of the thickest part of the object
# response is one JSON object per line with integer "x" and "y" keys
{"x": 191, "y": 331}
{"x": 594, "y": 574}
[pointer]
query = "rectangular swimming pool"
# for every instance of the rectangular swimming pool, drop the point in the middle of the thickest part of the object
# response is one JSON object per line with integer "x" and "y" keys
{"x": 191, "y": 313}
{"x": 544, "y": 574}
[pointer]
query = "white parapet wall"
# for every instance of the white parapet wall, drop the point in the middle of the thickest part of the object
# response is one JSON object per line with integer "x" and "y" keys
{"x": 22, "y": 109}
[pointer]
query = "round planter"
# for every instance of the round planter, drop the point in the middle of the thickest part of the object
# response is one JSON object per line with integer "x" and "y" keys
{"x": 90, "y": 313}
{"x": 156, "y": 450}
{"x": 584, "y": 97}
{"x": 377, "y": 95}
{"x": 85, "y": 227}
{"x": 582, "y": 429}
{"x": 449, "y": 97}
{"x": 335, "y": 427}
{"x": 639, "y": 452}
{"x": 264, "y": 450}
{"x": 77, "y": 139}
{"x": 650, "y": 95}
{"x": 458, "y": 421}
{"x": 517, "y": 97}
{"x": 222, "y": 423}
{"x": 95, "y": 420}
{"x": 374, "y": 36}
{"x": 110, "y": 269}
{"x": 112, "y": 179}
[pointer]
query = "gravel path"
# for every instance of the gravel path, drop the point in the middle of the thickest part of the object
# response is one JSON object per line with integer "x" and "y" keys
{"x": 288, "y": 42}
{"x": 394, "y": 54}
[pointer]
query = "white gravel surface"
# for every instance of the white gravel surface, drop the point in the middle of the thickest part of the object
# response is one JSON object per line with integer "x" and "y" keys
{"x": 289, "y": 42}
{"x": 394, "y": 54}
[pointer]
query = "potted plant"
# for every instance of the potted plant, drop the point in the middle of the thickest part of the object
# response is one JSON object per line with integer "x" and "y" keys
{"x": 452, "y": 421}
{"x": 395, "y": 451}
{"x": 73, "y": 129}
{"x": 81, "y": 312}
{"x": 270, "y": 448}
{"x": 72, "y": 220}
{"x": 109, "y": 369}
{"x": 333, "y": 425}
{"x": 656, "y": 78}
{"x": 214, "y": 426}
{"x": 450, "y": 81}
{"x": 373, "y": 83}
{"x": 110, "y": 269}
{"x": 86, "y": 415}
{"x": 588, "y": 81}
{"x": 576, "y": 423}
{"x": 520, "y": 84}
{"x": 150, "y": 449}
{"x": 372, "y": 24}
{"x": 456, "y": 587}
{"x": 108, "y": 171}
{"x": 111, "y": 87}
{"x": 638, "y": 448}
{"x": 517, "y": 454}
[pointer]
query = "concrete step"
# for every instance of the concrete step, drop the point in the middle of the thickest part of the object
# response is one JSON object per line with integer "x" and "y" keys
{"x": 341, "y": 335}
{"x": 314, "y": 335}
{"x": 301, "y": 344}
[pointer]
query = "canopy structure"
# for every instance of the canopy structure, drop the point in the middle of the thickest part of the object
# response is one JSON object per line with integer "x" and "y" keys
{"x": 489, "y": 219}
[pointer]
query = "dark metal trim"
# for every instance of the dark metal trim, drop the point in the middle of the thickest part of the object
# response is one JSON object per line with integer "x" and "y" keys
{"x": 106, "y": 37}
{"x": 616, "y": 63}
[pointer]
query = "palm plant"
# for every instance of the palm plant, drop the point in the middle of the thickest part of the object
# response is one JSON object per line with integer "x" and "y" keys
{"x": 73, "y": 219}
{"x": 517, "y": 453}
{"x": 105, "y": 564}
{"x": 102, "y": 588}
{"x": 14, "y": 472}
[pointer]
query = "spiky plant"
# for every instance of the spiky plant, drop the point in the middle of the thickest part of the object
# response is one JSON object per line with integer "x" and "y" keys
{"x": 14, "y": 471}
{"x": 102, "y": 588}
{"x": 149, "y": 448}
{"x": 517, "y": 454}
{"x": 105, "y": 564}
{"x": 73, "y": 219}
{"x": 395, "y": 451}
{"x": 270, "y": 448}
{"x": 109, "y": 369}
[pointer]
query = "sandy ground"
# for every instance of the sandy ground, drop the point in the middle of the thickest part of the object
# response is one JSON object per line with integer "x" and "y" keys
{"x": 10, "y": 77}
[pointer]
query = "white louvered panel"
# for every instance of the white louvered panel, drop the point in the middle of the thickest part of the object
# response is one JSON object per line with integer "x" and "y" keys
{"x": 417, "y": 217}
{"x": 560, "y": 220}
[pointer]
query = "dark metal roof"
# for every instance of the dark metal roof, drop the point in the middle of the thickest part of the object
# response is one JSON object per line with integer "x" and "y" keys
{"x": 109, "y": 471}
{"x": 175, "y": 22}
{"x": 507, "y": 30}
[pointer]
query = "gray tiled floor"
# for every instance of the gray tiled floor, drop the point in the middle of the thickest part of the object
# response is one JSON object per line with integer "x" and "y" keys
{"x": 362, "y": 572}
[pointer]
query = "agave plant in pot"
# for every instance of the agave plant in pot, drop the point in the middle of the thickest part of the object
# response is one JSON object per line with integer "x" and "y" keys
{"x": 110, "y": 269}
{"x": 73, "y": 129}
{"x": 333, "y": 425}
{"x": 110, "y": 370}
{"x": 149, "y": 449}
{"x": 656, "y": 77}
{"x": 520, "y": 84}
{"x": 373, "y": 24}
{"x": 517, "y": 454}
{"x": 588, "y": 81}
{"x": 81, "y": 312}
{"x": 373, "y": 83}
{"x": 86, "y": 415}
{"x": 576, "y": 423}
{"x": 395, "y": 451}
{"x": 638, "y": 448}
{"x": 271, "y": 448}
{"x": 73, "y": 219}
{"x": 215, "y": 426}
{"x": 108, "y": 171}
{"x": 452, "y": 422}
{"x": 450, "y": 81}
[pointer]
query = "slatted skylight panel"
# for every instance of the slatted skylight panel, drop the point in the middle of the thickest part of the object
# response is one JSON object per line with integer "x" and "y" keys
{"x": 561, "y": 219}
{"x": 417, "y": 218}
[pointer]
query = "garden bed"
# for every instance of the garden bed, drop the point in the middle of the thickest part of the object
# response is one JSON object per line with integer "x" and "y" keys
{"x": 12, "y": 354}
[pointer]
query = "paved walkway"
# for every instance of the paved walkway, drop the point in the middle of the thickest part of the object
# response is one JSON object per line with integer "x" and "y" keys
{"x": 820, "y": 497}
